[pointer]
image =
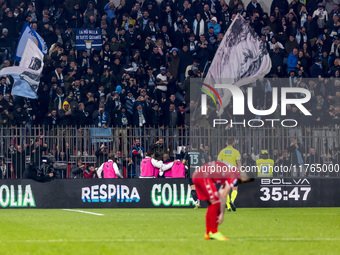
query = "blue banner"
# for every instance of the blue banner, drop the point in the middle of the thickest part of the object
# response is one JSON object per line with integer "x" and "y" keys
{"x": 88, "y": 39}
{"x": 101, "y": 135}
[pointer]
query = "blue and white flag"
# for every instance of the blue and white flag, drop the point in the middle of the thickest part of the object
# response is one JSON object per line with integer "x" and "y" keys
{"x": 32, "y": 58}
{"x": 26, "y": 81}
{"x": 28, "y": 33}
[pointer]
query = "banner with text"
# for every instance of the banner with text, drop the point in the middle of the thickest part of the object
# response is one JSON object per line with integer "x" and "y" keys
{"x": 163, "y": 193}
{"x": 87, "y": 39}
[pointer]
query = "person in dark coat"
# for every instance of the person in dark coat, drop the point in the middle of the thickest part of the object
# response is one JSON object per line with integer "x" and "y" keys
{"x": 20, "y": 116}
{"x": 173, "y": 117}
{"x": 32, "y": 173}
{"x": 18, "y": 162}
{"x": 254, "y": 6}
{"x": 312, "y": 159}
{"x": 277, "y": 56}
{"x": 101, "y": 154}
{"x": 281, "y": 4}
{"x": 316, "y": 70}
{"x": 51, "y": 120}
{"x": 82, "y": 116}
{"x": 296, "y": 151}
{"x": 186, "y": 59}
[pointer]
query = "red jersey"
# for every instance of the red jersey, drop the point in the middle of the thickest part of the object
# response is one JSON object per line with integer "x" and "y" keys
{"x": 218, "y": 171}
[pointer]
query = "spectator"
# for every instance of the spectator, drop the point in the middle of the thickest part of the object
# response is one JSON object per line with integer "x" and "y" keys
{"x": 20, "y": 117}
{"x": 5, "y": 45}
{"x": 213, "y": 23}
{"x": 137, "y": 154}
{"x": 296, "y": 151}
{"x": 4, "y": 170}
{"x": 121, "y": 121}
{"x": 90, "y": 11}
{"x": 90, "y": 172}
{"x": 186, "y": 59}
{"x": 4, "y": 105}
{"x": 159, "y": 147}
{"x": 247, "y": 160}
{"x": 291, "y": 45}
{"x": 284, "y": 161}
{"x": 6, "y": 118}
{"x": 101, "y": 118}
{"x": 282, "y": 5}
{"x": 66, "y": 115}
{"x": 18, "y": 165}
{"x": 204, "y": 51}
{"x": 277, "y": 55}
{"x": 131, "y": 170}
{"x": 36, "y": 151}
{"x": 174, "y": 62}
{"x": 78, "y": 169}
{"x": 155, "y": 60}
{"x": 139, "y": 115}
{"x": 254, "y": 6}
{"x": 51, "y": 120}
{"x": 211, "y": 36}
{"x": 161, "y": 84}
{"x": 101, "y": 154}
{"x": 316, "y": 69}
{"x": 110, "y": 10}
{"x": 322, "y": 16}
{"x": 313, "y": 160}
{"x": 312, "y": 29}
{"x": 200, "y": 27}
{"x": 293, "y": 60}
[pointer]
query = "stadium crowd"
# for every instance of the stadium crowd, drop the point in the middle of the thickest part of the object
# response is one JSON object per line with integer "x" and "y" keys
{"x": 150, "y": 51}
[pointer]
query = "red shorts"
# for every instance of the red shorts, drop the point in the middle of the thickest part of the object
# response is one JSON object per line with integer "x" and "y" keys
{"x": 205, "y": 189}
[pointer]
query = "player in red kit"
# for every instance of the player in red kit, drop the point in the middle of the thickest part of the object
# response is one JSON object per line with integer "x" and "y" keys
{"x": 205, "y": 178}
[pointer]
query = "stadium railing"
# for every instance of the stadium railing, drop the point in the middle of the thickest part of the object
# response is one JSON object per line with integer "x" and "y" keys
{"x": 83, "y": 142}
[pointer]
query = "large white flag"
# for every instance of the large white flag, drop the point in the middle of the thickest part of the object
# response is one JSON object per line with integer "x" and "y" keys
{"x": 240, "y": 59}
{"x": 28, "y": 33}
{"x": 32, "y": 58}
{"x": 26, "y": 81}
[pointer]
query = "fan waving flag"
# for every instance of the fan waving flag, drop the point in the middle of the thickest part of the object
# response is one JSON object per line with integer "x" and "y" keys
{"x": 28, "y": 33}
{"x": 241, "y": 59}
{"x": 26, "y": 81}
{"x": 32, "y": 58}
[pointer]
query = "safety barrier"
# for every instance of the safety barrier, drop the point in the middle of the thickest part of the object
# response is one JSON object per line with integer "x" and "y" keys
{"x": 163, "y": 193}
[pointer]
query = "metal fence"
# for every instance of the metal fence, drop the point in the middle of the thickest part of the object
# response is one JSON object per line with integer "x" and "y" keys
{"x": 21, "y": 146}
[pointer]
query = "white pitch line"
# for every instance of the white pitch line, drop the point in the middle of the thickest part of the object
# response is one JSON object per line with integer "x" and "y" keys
{"x": 172, "y": 240}
{"x": 96, "y": 240}
{"x": 284, "y": 239}
{"x": 98, "y": 214}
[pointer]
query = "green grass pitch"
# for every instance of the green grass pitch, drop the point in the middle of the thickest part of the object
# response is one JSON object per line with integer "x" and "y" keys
{"x": 169, "y": 231}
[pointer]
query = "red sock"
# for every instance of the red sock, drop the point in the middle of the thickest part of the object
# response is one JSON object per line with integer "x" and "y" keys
{"x": 211, "y": 217}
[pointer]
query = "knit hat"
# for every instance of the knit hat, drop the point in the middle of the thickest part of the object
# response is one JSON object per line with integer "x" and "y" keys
{"x": 119, "y": 89}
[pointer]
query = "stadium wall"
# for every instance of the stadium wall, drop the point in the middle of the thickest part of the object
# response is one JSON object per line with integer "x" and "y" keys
{"x": 162, "y": 193}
